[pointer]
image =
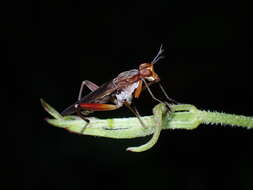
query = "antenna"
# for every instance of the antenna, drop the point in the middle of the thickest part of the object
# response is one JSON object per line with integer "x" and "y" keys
{"x": 158, "y": 56}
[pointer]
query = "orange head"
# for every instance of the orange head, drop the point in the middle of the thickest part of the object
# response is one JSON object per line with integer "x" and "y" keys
{"x": 147, "y": 72}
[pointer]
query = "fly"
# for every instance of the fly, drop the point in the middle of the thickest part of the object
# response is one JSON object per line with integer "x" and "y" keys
{"x": 118, "y": 92}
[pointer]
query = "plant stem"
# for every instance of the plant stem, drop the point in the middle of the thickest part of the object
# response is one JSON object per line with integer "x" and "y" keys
{"x": 223, "y": 119}
{"x": 183, "y": 116}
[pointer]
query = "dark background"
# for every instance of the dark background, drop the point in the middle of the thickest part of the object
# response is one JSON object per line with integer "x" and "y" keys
{"x": 54, "y": 45}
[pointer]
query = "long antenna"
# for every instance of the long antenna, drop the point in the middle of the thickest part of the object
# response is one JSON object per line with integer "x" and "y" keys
{"x": 158, "y": 56}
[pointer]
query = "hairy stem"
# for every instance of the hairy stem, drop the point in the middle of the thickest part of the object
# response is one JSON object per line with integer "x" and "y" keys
{"x": 226, "y": 119}
{"x": 183, "y": 116}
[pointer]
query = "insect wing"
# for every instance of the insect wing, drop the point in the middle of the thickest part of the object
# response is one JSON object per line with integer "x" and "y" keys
{"x": 100, "y": 95}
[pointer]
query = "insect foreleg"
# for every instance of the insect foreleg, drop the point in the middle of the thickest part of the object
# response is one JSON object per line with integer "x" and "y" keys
{"x": 166, "y": 95}
{"x": 153, "y": 96}
{"x": 150, "y": 92}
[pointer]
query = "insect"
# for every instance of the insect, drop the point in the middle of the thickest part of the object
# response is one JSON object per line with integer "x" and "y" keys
{"x": 118, "y": 92}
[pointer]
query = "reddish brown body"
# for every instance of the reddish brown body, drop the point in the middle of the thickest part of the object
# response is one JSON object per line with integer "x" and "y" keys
{"x": 95, "y": 100}
{"x": 117, "y": 92}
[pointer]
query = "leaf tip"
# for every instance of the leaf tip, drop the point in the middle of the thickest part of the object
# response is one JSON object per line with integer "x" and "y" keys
{"x": 43, "y": 103}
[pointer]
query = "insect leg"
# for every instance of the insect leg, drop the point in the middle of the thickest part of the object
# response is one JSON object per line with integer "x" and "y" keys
{"x": 79, "y": 113}
{"x": 153, "y": 96}
{"x": 150, "y": 92}
{"x": 98, "y": 107}
{"x": 89, "y": 84}
{"x": 166, "y": 95}
{"x": 92, "y": 107}
{"x": 136, "y": 113}
{"x": 71, "y": 109}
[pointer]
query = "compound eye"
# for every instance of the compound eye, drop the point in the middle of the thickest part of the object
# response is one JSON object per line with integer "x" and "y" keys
{"x": 145, "y": 73}
{"x": 144, "y": 65}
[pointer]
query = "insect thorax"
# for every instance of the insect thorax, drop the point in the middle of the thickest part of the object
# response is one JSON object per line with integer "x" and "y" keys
{"x": 126, "y": 94}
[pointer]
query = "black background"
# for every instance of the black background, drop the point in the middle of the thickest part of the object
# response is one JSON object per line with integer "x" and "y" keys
{"x": 54, "y": 45}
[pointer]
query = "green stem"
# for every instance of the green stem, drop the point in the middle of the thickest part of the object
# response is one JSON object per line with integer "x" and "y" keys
{"x": 208, "y": 117}
{"x": 183, "y": 116}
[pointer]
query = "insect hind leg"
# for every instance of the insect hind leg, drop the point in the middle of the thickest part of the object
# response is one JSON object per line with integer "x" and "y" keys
{"x": 92, "y": 86}
{"x": 79, "y": 113}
